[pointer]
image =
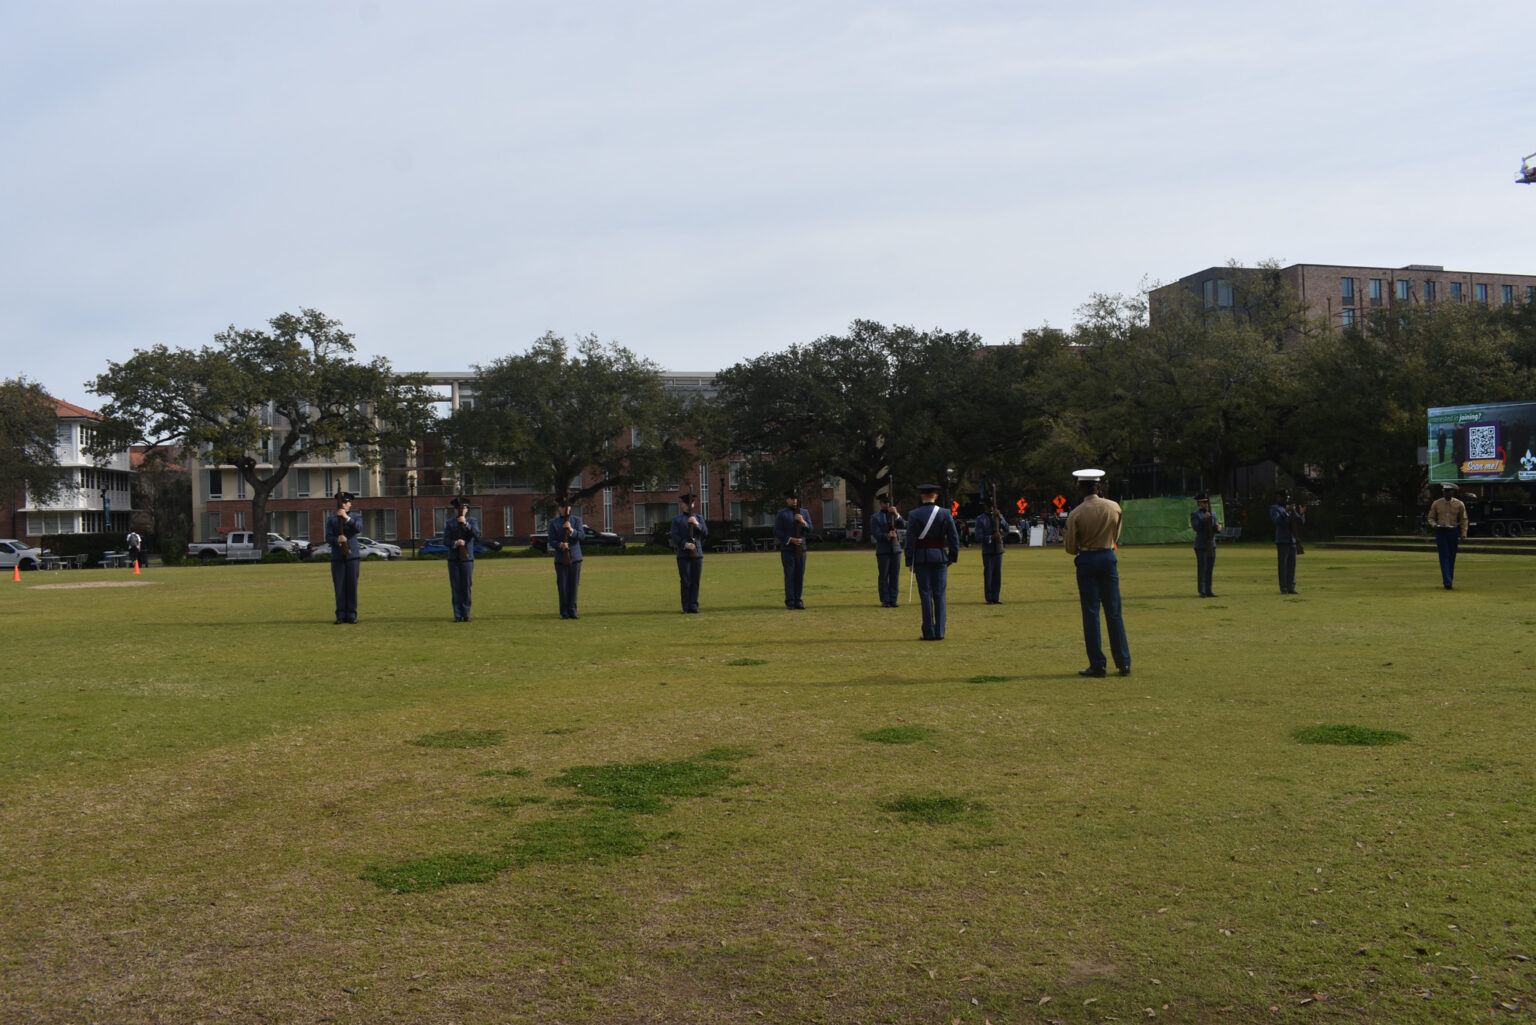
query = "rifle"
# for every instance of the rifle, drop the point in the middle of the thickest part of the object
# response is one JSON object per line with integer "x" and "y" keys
{"x": 565, "y": 553}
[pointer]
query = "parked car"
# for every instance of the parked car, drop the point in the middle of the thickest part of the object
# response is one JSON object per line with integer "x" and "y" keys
{"x": 436, "y": 547}
{"x": 19, "y": 553}
{"x": 600, "y": 538}
{"x": 367, "y": 547}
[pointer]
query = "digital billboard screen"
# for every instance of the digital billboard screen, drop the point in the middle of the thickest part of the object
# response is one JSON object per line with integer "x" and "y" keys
{"x": 1489, "y": 443}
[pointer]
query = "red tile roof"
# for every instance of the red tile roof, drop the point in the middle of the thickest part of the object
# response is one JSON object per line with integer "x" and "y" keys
{"x": 69, "y": 409}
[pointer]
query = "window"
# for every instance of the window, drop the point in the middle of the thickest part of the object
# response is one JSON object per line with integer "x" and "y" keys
{"x": 1347, "y": 316}
{"x": 1375, "y": 291}
{"x": 1223, "y": 292}
{"x": 1429, "y": 291}
{"x": 240, "y": 486}
{"x": 1530, "y": 293}
{"x": 215, "y": 483}
{"x": 1481, "y": 291}
{"x": 385, "y": 524}
{"x": 1506, "y": 295}
{"x": 1402, "y": 290}
{"x": 1456, "y": 291}
{"x": 1208, "y": 293}
{"x": 1347, "y": 290}
{"x": 301, "y": 483}
{"x": 506, "y": 521}
{"x": 239, "y": 519}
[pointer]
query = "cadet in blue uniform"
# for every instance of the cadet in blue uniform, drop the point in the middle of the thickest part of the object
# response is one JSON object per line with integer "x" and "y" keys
{"x": 688, "y": 534}
{"x": 792, "y": 529}
{"x": 882, "y": 527}
{"x": 565, "y": 545}
{"x": 933, "y": 544}
{"x": 459, "y": 536}
{"x": 1288, "y": 516}
{"x": 1205, "y": 525}
{"x": 990, "y": 531}
{"x": 341, "y": 530}
{"x": 1093, "y": 532}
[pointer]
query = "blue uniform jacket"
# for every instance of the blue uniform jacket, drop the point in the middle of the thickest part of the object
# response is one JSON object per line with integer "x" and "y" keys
{"x": 557, "y": 534}
{"x": 680, "y": 535}
{"x": 879, "y": 527}
{"x": 341, "y": 534}
{"x": 784, "y": 527}
{"x": 1285, "y": 531}
{"x": 942, "y": 543}
{"x": 989, "y": 534}
{"x": 470, "y": 532}
{"x": 1203, "y": 523}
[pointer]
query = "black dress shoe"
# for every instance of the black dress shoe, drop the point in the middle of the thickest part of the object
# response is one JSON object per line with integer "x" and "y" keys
{"x": 1125, "y": 670}
{"x": 1090, "y": 671}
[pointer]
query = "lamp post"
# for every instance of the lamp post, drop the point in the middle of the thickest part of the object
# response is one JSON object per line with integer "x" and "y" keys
{"x": 410, "y": 482}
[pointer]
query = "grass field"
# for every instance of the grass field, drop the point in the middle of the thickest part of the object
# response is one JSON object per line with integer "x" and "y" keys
{"x": 216, "y": 806}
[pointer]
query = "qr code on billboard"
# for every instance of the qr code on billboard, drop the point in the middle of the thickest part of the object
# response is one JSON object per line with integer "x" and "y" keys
{"x": 1482, "y": 442}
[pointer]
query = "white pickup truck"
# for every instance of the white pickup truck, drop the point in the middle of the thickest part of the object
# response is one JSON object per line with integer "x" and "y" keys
{"x": 240, "y": 546}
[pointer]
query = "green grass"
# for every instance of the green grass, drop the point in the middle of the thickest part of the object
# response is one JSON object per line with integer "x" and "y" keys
{"x": 1362, "y": 736}
{"x": 214, "y": 804}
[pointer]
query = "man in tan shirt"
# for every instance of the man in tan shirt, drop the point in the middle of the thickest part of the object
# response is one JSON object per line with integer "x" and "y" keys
{"x": 1448, "y": 515}
{"x": 1093, "y": 531}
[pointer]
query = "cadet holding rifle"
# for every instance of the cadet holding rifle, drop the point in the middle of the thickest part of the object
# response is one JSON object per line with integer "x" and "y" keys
{"x": 341, "y": 530}
{"x": 882, "y": 527}
{"x": 565, "y": 545}
{"x": 933, "y": 545}
{"x": 688, "y": 534}
{"x": 792, "y": 528}
{"x": 459, "y": 536}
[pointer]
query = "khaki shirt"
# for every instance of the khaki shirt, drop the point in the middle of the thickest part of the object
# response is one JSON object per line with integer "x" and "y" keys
{"x": 1448, "y": 512}
{"x": 1093, "y": 525}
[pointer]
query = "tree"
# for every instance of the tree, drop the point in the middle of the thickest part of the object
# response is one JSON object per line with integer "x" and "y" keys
{"x": 261, "y": 401}
{"x": 874, "y": 406}
{"x": 29, "y": 459}
{"x": 1362, "y": 395}
{"x": 554, "y": 414}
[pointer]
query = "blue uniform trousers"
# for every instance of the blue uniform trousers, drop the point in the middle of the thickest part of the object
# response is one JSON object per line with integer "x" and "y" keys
{"x": 1447, "y": 539}
{"x": 689, "y": 570}
{"x": 932, "y": 581}
{"x": 1205, "y": 563}
{"x": 992, "y": 576}
{"x": 344, "y": 582}
{"x": 888, "y": 576}
{"x": 461, "y": 577}
{"x": 794, "y": 575}
{"x": 567, "y": 581}
{"x": 1098, "y": 583}
{"x": 1285, "y": 556}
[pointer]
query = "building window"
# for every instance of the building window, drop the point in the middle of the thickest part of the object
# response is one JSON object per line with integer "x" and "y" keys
{"x": 1507, "y": 294}
{"x": 1347, "y": 316}
{"x": 1402, "y": 290}
{"x": 239, "y": 519}
{"x": 240, "y": 486}
{"x": 385, "y": 524}
{"x": 1375, "y": 292}
{"x": 1347, "y": 290}
{"x": 1429, "y": 291}
{"x": 215, "y": 483}
{"x": 1530, "y": 293}
{"x": 1208, "y": 293}
{"x": 1223, "y": 292}
{"x": 1456, "y": 291}
{"x": 301, "y": 483}
{"x": 506, "y": 521}
{"x": 1481, "y": 291}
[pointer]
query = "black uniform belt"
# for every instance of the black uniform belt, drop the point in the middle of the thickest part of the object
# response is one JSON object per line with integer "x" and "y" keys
{"x": 924, "y": 542}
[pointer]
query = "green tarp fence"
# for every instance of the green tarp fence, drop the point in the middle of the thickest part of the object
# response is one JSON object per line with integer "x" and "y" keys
{"x": 1162, "y": 521}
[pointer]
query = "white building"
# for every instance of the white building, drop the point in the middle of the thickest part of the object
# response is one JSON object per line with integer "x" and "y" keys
{"x": 100, "y": 496}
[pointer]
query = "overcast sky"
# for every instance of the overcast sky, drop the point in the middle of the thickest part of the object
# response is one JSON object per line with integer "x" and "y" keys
{"x": 706, "y": 182}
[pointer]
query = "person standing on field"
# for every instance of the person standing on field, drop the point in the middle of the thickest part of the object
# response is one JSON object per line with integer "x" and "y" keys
{"x": 1092, "y": 535}
{"x": 1448, "y": 515}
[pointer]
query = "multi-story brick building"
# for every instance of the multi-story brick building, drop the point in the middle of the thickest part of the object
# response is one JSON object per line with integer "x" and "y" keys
{"x": 406, "y": 496}
{"x": 1343, "y": 295}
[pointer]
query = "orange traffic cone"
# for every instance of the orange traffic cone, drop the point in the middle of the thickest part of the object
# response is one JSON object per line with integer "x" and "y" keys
{"x": 135, "y": 567}
{"x": 16, "y": 573}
